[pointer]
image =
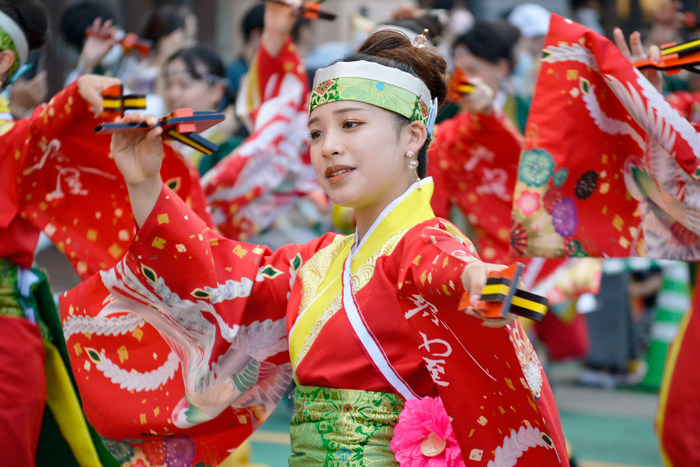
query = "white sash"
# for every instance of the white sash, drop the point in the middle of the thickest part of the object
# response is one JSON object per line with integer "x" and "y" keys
{"x": 365, "y": 335}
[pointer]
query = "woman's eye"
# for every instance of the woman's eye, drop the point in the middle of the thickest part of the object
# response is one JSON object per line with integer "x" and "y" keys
{"x": 351, "y": 124}
{"x": 315, "y": 134}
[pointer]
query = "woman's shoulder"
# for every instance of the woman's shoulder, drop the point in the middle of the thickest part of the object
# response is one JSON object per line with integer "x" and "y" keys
{"x": 440, "y": 229}
{"x": 330, "y": 238}
{"x": 435, "y": 231}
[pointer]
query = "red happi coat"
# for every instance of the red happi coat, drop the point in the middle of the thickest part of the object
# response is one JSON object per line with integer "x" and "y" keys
{"x": 474, "y": 160}
{"x": 610, "y": 168}
{"x": 615, "y": 168}
{"x": 183, "y": 348}
{"x": 271, "y": 170}
{"x": 56, "y": 176}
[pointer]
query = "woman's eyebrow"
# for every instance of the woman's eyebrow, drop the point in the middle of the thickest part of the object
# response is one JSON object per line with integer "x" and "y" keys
{"x": 341, "y": 111}
{"x": 348, "y": 109}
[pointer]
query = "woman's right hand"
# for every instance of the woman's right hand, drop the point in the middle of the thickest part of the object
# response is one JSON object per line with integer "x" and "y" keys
{"x": 138, "y": 154}
{"x": 635, "y": 52}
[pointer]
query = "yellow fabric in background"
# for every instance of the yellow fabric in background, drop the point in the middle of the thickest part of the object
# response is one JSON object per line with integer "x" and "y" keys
{"x": 63, "y": 402}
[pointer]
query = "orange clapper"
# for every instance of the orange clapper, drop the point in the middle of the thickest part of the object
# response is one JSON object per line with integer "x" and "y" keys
{"x": 675, "y": 57}
{"x": 182, "y": 125}
{"x": 459, "y": 85}
{"x": 131, "y": 42}
{"x": 501, "y": 296}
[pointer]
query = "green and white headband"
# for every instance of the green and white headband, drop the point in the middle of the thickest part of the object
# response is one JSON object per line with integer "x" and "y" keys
{"x": 386, "y": 87}
{"x": 12, "y": 38}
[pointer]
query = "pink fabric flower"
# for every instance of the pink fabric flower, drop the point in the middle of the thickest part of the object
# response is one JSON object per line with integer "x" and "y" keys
{"x": 528, "y": 202}
{"x": 421, "y": 419}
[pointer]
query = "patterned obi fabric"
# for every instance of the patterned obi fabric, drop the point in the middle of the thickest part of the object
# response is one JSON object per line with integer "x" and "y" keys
{"x": 343, "y": 427}
{"x": 10, "y": 304}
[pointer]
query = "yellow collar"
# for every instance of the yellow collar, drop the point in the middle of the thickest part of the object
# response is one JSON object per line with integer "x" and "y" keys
{"x": 409, "y": 209}
{"x": 5, "y": 114}
{"x": 322, "y": 274}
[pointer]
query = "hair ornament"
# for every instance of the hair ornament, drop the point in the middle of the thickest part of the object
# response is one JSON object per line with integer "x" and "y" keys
{"x": 420, "y": 41}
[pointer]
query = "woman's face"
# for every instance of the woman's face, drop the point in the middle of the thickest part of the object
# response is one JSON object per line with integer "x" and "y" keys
{"x": 358, "y": 153}
{"x": 182, "y": 91}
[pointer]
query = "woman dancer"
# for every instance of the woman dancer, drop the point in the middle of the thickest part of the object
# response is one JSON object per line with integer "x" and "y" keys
{"x": 337, "y": 314}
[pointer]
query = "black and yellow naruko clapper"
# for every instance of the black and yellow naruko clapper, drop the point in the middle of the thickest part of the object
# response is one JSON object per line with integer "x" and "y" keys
{"x": 115, "y": 103}
{"x": 675, "y": 57}
{"x": 501, "y": 296}
{"x": 182, "y": 125}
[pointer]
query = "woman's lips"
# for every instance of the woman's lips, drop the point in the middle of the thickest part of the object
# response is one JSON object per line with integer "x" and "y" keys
{"x": 338, "y": 173}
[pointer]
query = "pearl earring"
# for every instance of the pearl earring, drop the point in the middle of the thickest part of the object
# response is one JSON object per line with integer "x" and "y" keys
{"x": 410, "y": 153}
{"x": 412, "y": 165}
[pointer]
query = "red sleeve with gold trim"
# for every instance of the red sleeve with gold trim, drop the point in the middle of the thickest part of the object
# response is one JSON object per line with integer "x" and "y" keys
{"x": 181, "y": 348}
{"x": 20, "y": 139}
{"x": 475, "y": 159}
{"x": 490, "y": 380}
{"x": 70, "y": 187}
{"x": 433, "y": 261}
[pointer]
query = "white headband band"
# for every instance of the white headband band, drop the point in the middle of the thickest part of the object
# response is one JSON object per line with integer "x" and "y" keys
{"x": 15, "y": 32}
{"x": 374, "y": 71}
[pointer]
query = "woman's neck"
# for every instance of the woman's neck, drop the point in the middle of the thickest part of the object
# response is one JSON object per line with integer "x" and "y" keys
{"x": 365, "y": 217}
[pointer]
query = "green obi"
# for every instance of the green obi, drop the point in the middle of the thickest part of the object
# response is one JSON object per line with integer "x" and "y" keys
{"x": 13, "y": 304}
{"x": 10, "y": 304}
{"x": 343, "y": 427}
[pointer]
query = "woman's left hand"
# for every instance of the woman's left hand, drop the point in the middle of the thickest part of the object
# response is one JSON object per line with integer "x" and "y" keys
{"x": 474, "y": 279}
{"x": 90, "y": 88}
{"x": 635, "y": 53}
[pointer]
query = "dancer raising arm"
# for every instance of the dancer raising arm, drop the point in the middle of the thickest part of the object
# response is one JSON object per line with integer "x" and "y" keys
{"x": 222, "y": 326}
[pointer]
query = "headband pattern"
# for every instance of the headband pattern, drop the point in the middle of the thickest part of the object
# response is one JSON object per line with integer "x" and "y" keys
{"x": 396, "y": 91}
{"x": 378, "y": 93}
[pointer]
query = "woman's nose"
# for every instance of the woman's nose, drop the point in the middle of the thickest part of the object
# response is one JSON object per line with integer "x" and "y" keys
{"x": 331, "y": 145}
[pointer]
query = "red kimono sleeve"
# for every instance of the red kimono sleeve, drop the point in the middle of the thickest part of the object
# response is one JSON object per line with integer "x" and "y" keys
{"x": 271, "y": 170}
{"x": 186, "y": 335}
{"x": 490, "y": 380}
{"x": 65, "y": 183}
{"x": 266, "y": 80}
{"x": 19, "y": 141}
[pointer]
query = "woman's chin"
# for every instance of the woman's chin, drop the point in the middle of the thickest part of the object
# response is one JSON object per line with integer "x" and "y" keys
{"x": 341, "y": 197}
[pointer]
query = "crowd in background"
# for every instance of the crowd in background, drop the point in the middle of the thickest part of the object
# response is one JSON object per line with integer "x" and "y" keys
{"x": 620, "y": 333}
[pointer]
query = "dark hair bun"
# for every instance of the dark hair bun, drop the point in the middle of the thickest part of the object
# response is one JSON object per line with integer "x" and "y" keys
{"x": 32, "y": 17}
{"x": 426, "y": 63}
